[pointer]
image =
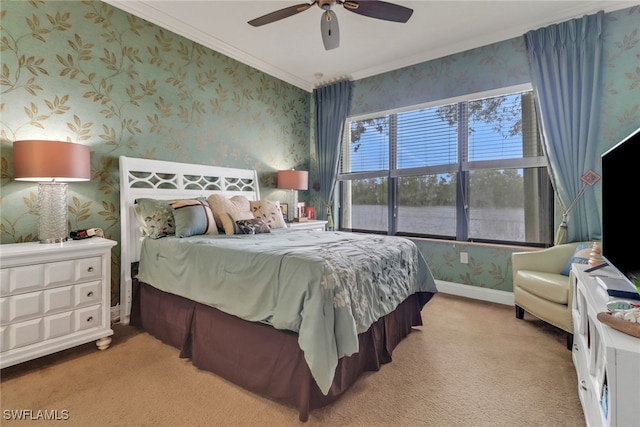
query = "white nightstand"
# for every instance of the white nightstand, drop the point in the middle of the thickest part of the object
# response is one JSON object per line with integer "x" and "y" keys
{"x": 53, "y": 297}
{"x": 312, "y": 224}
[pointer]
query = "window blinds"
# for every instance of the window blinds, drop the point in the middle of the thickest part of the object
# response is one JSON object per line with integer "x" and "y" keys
{"x": 494, "y": 132}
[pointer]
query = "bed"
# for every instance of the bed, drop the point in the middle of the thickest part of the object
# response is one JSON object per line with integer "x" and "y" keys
{"x": 296, "y": 316}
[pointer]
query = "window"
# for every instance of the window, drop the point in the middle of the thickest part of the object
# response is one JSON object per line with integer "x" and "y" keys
{"x": 470, "y": 170}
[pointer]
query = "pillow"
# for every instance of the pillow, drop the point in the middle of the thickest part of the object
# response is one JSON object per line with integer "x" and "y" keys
{"x": 580, "y": 256}
{"x": 155, "y": 217}
{"x": 193, "y": 217}
{"x": 269, "y": 212}
{"x": 227, "y": 211}
{"x": 253, "y": 226}
{"x": 139, "y": 219}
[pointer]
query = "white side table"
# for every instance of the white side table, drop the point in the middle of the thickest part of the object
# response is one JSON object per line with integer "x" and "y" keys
{"x": 607, "y": 361}
{"x": 53, "y": 297}
{"x": 312, "y": 224}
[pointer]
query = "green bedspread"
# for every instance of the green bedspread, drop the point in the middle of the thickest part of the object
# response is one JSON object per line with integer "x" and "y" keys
{"x": 326, "y": 286}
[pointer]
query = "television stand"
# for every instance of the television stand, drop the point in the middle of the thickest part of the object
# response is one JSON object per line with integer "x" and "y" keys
{"x": 607, "y": 361}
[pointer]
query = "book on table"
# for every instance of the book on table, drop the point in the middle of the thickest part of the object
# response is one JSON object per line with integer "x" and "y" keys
{"x": 618, "y": 287}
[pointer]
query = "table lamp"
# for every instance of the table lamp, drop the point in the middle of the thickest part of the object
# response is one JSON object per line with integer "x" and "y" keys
{"x": 293, "y": 180}
{"x": 51, "y": 164}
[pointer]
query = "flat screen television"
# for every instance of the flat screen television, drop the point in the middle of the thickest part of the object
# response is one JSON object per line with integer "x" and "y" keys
{"x": 620, "y": 211}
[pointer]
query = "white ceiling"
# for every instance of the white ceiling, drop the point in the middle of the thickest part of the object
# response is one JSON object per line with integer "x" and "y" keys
{"x": 291, "y": 49}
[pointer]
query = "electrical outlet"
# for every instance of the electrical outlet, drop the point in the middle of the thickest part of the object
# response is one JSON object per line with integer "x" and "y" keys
{"x": 464, "y": 258}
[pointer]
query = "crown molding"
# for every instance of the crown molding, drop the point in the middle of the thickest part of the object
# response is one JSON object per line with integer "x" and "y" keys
{"x": 146, "y": 10}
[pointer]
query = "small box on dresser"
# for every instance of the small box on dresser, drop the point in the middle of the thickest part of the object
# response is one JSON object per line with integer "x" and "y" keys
{"x": 53, "y": 297}
{"x": 607, "y": 361}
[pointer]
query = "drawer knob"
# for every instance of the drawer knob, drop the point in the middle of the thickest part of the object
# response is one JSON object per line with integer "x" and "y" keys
{"x": 90, "y": 293}
{"x": 583, "y": 385}
{"x": 90, "y": 269}
{"x": 89, "y": 319}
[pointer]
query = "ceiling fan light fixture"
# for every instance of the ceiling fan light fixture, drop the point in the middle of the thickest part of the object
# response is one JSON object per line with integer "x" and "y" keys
{"x": 350, "y": 5}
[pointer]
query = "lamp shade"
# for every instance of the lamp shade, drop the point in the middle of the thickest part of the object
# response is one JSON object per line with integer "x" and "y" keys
{"x": 293, "y": 180}
{"x": 35, "y": 160}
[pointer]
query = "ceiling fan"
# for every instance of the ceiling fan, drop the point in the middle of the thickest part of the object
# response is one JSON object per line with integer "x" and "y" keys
{"x": 329, "y": 22}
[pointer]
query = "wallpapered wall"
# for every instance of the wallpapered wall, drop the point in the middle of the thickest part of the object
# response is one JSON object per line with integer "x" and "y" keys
{"x": 495, "y": 66}
{"x": 89, "y": 73}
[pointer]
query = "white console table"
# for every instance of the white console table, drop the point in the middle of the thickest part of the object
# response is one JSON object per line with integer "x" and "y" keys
{"x": 607, "y": 361}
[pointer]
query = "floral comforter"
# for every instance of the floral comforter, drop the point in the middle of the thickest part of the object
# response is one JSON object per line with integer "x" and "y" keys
{"x": 326, "y": 286}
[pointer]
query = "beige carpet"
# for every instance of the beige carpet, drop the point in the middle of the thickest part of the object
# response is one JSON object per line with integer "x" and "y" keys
{"x": 472, "y": 364}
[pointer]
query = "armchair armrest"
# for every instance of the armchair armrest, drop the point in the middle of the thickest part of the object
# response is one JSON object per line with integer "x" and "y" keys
{"x": 549, "y": 260}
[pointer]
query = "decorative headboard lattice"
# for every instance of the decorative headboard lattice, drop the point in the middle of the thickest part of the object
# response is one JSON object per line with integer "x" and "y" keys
{"x": 188, "y": 182}
{"x": 157, "y": 179}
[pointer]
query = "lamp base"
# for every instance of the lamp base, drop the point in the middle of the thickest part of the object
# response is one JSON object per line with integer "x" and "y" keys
{"x": 54, "y": 240}
{"x": 52, "y": 207}
{"x": 293, "y": 204}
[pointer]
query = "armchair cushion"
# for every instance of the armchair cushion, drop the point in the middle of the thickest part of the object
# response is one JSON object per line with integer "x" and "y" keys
{"x": 549, "y": 286}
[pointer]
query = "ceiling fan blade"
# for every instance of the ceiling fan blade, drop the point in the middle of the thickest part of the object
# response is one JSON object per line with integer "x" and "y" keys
{"x": 379, "y": 10}
{"x": 280, "y": 14}
{"x": 330, "y": 30}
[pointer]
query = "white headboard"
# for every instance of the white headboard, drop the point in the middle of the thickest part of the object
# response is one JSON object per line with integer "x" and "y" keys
{"x": 157, "y": 179}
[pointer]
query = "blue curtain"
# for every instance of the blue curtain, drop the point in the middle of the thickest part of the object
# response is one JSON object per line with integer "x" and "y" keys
{"x": 565, "y": 63}
{"x": 332, "y": 103}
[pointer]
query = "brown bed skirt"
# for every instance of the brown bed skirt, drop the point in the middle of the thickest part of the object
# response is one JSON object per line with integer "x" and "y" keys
{"x": 260, "y": 358}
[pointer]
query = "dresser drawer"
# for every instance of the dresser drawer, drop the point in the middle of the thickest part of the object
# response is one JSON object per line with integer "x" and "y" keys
{"x": 58, "y": 299}
{"x": 4, "y": 338}
{"x": 20, "y": 307}
{"x": 16, "y": 308}
{"x": 88, "y": 317}
{"x": 22, "y": 279}
{"x": 58, "y": 273}
{"x": 88, "y": 293}
{"x": 32, "y": 277}
{"x": 58, "y": 325}
{"x": 88, "y": 268}
{"x": 32, "y": 331}
{"x": 25, "y": 278}
{"x": 4, "y": 281}
{"x": 24, "y": 333}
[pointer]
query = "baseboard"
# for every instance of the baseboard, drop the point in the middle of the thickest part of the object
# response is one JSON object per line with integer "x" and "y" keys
{"x": 475, "y": 292}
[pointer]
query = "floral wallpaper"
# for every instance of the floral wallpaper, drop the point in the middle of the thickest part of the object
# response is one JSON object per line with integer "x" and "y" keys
{"x": 89, "y": 73}
{"x": 501, "y": 65}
